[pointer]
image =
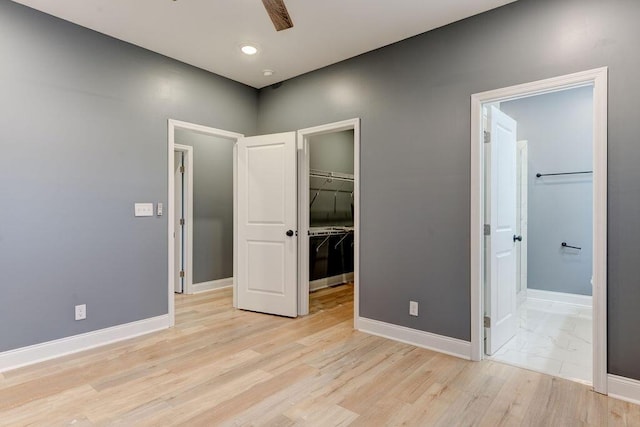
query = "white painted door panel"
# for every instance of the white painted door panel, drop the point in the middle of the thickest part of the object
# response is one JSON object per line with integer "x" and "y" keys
{"x": 267, "y": 210}
{"x": 502, "y": 274}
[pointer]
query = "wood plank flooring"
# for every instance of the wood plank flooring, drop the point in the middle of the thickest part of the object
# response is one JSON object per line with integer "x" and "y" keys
{"x": 226, "y": 367}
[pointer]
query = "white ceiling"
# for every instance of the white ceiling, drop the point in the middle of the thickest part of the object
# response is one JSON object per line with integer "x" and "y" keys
{"x": 208, "y": 33}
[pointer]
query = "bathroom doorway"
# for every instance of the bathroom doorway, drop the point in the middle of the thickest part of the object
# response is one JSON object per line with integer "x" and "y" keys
{"x": 548, "y": 141}
{"x": 559, "y": 266}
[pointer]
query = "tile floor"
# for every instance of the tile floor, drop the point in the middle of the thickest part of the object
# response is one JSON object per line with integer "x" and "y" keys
{"x": 553, "y": 338}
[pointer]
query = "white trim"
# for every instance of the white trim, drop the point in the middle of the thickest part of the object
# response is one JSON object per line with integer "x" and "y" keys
{"x": 14, "y": 359}
{"x": 303, "y": 210}
{"x": 575, "y": 299}
{"x": 211, "y": 285}
{"x": 325, "y": 282}
{"x": 172, "y": 126}
{"x": 600, "y": 132}
{"x": 623, "y": 388}
{"x": 189, "y": 219}
{"x": 235, "y": 225}
{"x": 439, "y": 343}
{"x": 597, "y": 78}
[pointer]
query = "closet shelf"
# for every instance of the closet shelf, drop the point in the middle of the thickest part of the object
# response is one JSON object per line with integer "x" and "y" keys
{"x": 338, "y": 176}
{"x": 329, "y": 231}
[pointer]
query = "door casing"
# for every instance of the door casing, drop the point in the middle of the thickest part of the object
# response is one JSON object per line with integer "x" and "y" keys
{"x": 598, "y": 78}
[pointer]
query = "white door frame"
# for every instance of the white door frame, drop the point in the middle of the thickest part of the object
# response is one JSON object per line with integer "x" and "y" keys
{"x": 523, "y": 171}
{"x": 598, "y": 79}
{"x": 172, "y": 126}
{"x": 303, "y": 209}
{"x": 188, "y": 198}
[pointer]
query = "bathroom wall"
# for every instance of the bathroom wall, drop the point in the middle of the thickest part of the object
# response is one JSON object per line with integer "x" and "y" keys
{"x": 559, "y": 130}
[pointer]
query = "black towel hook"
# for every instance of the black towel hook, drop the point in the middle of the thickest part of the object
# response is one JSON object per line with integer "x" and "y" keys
{"x": 564, "y": 245}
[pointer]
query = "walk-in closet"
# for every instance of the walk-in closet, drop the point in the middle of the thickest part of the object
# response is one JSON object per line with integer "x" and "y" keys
{"x": 331, "y": 210}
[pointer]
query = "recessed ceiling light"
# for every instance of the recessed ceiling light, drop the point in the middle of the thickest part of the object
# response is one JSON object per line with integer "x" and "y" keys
{"x": 267, "y": 73}
{"x": 247, "y": 49}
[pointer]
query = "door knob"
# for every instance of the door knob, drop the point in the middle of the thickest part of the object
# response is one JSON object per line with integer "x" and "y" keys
{"x": 518, "y": 238}
{"x": 289, "y": 233}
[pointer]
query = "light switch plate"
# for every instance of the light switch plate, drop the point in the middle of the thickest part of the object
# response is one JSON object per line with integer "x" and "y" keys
{"x": 159, "y": 209}
{"x": 143, "y": 209}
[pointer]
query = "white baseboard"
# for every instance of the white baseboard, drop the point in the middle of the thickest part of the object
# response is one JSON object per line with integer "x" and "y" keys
{"x": 17, "y": 358}
{"x": 439, "y": 343}
{"x": 325, "y": 282}
{"x": 196, "y": 288}
{"x": 575, "y": 299}
{"x": 624, "y": 389}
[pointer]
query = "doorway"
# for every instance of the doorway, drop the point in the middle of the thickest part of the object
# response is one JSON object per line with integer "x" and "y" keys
{"x": 209, "y": 261}
{"x": 266, "y": 211}
{"x": 329, "y": 209}
{"x": 494, "y": 215}
{"x": 550, "y": 327}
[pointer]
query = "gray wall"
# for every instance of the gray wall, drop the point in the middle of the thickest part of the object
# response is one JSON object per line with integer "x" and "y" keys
{"x": 414, "y": 100}
{"x": 84, "y": 136}
{"x": 69, "y": 236}
{"x": 559, "y": 128}
{"x": 212, "y": 205}
{"x": 331, "y": 152}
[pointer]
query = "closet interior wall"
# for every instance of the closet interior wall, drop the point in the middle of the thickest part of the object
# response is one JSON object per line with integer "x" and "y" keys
{"x": 331, "y": 180}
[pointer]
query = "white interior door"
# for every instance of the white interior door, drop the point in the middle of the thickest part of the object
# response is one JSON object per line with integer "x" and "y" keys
{"x": 502, "y": 279}
{"x": 178, "y": 282}
{"x": 267, "y": 223}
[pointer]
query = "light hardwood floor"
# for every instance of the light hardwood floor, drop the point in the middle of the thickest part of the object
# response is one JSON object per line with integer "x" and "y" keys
{"x": 221, "y": 366}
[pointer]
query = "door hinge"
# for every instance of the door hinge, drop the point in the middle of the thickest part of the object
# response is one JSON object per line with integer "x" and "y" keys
{"x": 181, "y": 221}
{"x": 181, "y": 169}
{"x": 487, "y": 322}
{"x": 181, "y": 273}
{"x": 487, "y": 137}
{"x": 487, "y": 229}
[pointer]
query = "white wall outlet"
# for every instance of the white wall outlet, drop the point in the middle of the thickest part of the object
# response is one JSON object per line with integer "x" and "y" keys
{"x": 143, "y": 209}
{"x": 81, "y": 312}
{"x": 413, "y": 308}
{"x": 160, "y": 209}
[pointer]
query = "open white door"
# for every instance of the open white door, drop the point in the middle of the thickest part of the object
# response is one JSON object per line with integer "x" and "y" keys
{"x": 501, "y": 245}
{"x": 267, "y": 223}
{"x": 178, "y": 281}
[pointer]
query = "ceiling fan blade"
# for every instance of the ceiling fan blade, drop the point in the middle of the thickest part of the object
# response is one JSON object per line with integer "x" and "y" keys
{"x": 278, "y": 13}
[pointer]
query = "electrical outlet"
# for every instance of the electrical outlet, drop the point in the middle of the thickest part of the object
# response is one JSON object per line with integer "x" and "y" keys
{"x": 81, "y": 312}
{"x": 413, "y": 308}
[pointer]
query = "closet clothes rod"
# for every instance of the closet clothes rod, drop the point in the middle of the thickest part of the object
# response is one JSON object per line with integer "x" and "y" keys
{"x": 330, "y": 231}
{"x": 331, "y": 191}
{"x": 539, "y": 175}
